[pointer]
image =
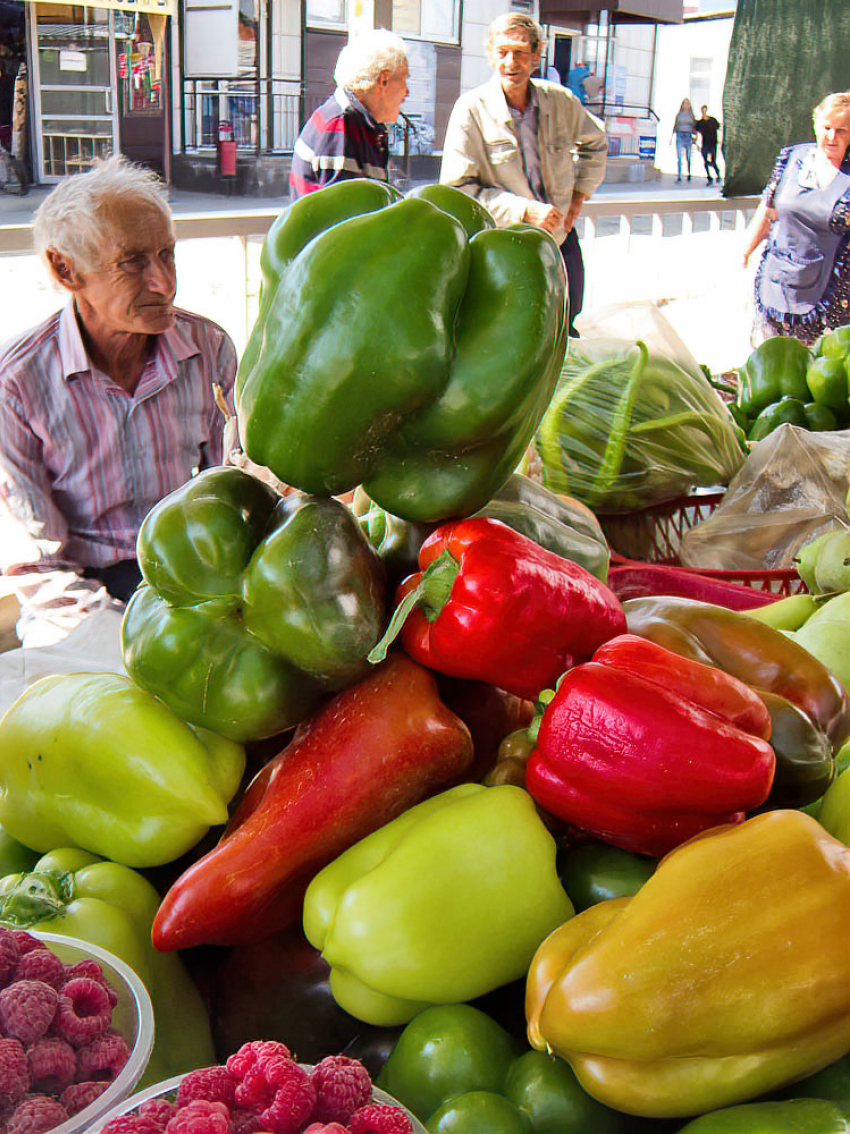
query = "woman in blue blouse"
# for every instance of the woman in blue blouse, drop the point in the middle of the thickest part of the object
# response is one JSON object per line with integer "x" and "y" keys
{"x": 802, "y": 286}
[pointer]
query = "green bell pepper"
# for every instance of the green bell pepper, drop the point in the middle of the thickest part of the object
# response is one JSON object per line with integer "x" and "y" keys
{"x": 834, "y": 813}
{"x": 775, "y": 369}
{"x": 804, "y": 763}
{"x": 597, "y": 872}
{"x": 447, "y": 902}
{"x": 390, "y": 349}
{"x": 787, "y": 411}
{"x": 93, "y": 761}
{"x": 77, "y": 894}
{"x": 827, "y": 382}
{"x": 455, "y": 1068}
{"x": 820, "y": 419}
{"x": 15, "y": 858}
{"x": 255, "y": 605}
{"x": 797, "y": 1116}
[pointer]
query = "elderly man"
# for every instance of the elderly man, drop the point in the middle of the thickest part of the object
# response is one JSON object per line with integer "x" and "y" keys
{"x": 511, "y": 144}
{"x": 347, "y": 135}
{"x": 110, "y": 403}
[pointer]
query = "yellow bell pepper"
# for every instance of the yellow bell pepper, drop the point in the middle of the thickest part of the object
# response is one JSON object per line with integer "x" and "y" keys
{"x": 727, "y": 975}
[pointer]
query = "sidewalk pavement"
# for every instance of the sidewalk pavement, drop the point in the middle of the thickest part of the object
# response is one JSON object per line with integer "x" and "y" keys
{"x": 19, "y": 210}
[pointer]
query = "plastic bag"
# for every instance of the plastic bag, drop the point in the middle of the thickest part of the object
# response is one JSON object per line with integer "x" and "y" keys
{"x": 792, "y": 488}
{"x": 634, "y": 421}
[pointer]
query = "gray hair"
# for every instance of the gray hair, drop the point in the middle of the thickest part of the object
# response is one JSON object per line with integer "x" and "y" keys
{"x": 78, "y": 215}
{"x": 366, "y": 56}
{"x": 839, "y": 102}
{"x": 516, "y": 21}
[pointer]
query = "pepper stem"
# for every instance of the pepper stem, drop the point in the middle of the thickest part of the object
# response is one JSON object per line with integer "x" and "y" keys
{"x": 35, "y": 897}
{"x": 430, "y": 594}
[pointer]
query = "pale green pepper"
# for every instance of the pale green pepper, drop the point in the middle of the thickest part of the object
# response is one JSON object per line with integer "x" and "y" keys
{"x": 92, "y": 761}
{"x": 443, "y": 904}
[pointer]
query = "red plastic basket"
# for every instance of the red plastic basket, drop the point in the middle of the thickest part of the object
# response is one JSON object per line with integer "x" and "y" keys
{"x": 654, "y": 535}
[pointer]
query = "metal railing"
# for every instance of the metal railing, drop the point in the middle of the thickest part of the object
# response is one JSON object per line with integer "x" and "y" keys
{"x": 264, "y": 115}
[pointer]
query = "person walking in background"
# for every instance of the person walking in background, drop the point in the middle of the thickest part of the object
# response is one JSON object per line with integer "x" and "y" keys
{"x": 593, "y": 86}
{"x": 683, "y": 132}
{"x": 707, "y": 128}
{"x": 347, "y": 135}
{"x": 575, "y": 80}
{"x": 802, "y": 285}
{"x": 510, "y": 144}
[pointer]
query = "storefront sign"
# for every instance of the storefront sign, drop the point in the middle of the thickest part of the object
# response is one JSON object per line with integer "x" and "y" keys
{"x": 163, "y": 7}
{"x": 72, "y": 61}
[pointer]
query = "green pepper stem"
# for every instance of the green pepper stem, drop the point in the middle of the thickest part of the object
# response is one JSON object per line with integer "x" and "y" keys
{"x": 430, "y": 594}
{"x": 36, "y": 897}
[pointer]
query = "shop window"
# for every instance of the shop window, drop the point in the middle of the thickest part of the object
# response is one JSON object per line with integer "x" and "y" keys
{"x": 431, "y": 19}
{"x": 227, "y": 106}
{"x": 326, "y": 13}
{"x": 141, "y": 48}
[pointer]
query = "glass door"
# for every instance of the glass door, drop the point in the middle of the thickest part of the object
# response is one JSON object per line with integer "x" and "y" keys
{"x": 75, "y": 88}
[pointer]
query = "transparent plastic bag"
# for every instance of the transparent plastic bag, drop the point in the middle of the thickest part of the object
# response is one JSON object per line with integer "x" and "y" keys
{"x": 792, "y": 488}
{"x": 634, "y": 421}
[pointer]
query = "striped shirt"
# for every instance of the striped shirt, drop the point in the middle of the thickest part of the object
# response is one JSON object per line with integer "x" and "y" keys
{"x": 81, "y": 460}
{"x": 340, "y": 140}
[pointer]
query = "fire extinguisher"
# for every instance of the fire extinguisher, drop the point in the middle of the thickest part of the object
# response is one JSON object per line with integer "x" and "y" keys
{"x": 226, "y": 150}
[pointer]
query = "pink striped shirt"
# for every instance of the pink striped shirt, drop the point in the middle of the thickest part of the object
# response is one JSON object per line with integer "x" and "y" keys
{"x": 82, "y": 460}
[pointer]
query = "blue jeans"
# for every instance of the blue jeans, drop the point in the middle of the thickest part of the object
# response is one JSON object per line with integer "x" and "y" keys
{"x": 683, "y": 149}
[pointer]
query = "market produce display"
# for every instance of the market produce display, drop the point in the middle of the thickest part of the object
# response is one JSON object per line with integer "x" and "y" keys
{"x": 91, "y": 760}
{"x": 254, "y": 605}
{"x": 628, "y": 428}
{"x": 785, "y": 383}
{"x": 77, "y": 894}
{"x": 417, "y": 375}
{"x": 557, "y": 798}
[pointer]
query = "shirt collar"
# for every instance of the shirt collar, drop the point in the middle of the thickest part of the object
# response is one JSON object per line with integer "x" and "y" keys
{"x": 499, "y": 103}
{"x": 348, "y": 99}
{"x": 172, "y": 344}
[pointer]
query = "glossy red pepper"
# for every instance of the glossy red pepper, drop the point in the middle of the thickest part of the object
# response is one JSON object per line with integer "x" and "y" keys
{"x": 645, "y": 748}
{"x": 375, "y": 750}
{"x": 492, "y": 605}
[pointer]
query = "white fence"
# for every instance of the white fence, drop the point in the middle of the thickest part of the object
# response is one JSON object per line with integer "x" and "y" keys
{"x": 684, "y": 255}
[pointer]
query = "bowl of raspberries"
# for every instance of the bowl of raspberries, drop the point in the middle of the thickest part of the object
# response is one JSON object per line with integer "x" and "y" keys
{"x": 262, "y": 1089}
{"x": 76, "y": 1032}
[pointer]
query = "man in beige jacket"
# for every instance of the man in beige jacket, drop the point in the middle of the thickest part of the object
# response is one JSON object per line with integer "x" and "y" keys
{"x": 525, "y": 148}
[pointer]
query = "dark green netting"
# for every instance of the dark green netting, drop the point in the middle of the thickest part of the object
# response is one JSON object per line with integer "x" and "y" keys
{"x": 785, "y": 55}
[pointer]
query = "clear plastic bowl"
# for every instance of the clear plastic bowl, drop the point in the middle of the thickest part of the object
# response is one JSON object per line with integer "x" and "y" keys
{"x": 132, "y": 1016}
{"x": 169, "y": 1086}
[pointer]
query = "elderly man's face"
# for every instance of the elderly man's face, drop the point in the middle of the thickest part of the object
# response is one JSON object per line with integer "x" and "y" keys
{"x": 384, "y": 99}
{"x": 132, "y": 290}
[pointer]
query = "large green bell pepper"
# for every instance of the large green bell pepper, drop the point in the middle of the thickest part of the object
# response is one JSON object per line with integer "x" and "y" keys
{"x": 255, "y": 604}
{"x": 775, "y": 369}
{"x": 391, "y": 350}
{"x": 593, "y": 872}
{"x": 445, "y": 903}
{"x": 93, "y": 761}
{"x": 77, "y": 894}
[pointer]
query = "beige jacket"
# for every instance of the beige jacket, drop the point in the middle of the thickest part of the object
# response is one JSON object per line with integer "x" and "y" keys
{"x": 481, "y": 154}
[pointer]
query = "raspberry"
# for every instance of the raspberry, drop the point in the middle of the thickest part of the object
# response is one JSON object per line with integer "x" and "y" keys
{"x": 292, "y": 1095}
{"x": 25, "y": 941}
{"x": 214, "y": 1084}
{"x": 131, "y": 1124}
{"x": 342, "y": 1086}
{"x": 92, "y": 970}
{"x": 27, "y": 1008}
{"x": 378, "y": 1119}
{"x": 102, "y": 1059}
{"x": 249, "y": 1053}
{"x": 246, "y": 1122}
{"x": 52, "y": 1064}
{"x": 200, "y": 1117}
{"x": 322, "y": 1128}
{"x": 158, "y": 1110}
{"x": 14, "y": 1072}
{"x": 83, "y": 1011}
{"x": 40, "y": 964}
{"x": 36, "y": 1114}
{"x": 80, "y": 1095}
{"x": 9, "y": 953}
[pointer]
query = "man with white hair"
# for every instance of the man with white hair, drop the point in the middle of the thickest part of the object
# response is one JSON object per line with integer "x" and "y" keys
{"x": 110, "y": 404}
{"x": 347, "y": 135}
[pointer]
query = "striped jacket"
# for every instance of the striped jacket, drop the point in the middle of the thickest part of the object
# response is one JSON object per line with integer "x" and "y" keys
{"x": 341, "y": 140}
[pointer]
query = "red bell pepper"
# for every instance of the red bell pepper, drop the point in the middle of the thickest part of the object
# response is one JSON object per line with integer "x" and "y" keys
{"x": 645, "y": 749}
{"x": 375, "y": 750}
{"x": 492, "y": 605}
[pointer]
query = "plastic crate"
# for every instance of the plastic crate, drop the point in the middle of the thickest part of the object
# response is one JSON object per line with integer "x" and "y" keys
{"x": 654, "y": 535}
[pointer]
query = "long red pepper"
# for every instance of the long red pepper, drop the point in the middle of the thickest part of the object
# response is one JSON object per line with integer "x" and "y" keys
{"x": 492, "y": 605}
